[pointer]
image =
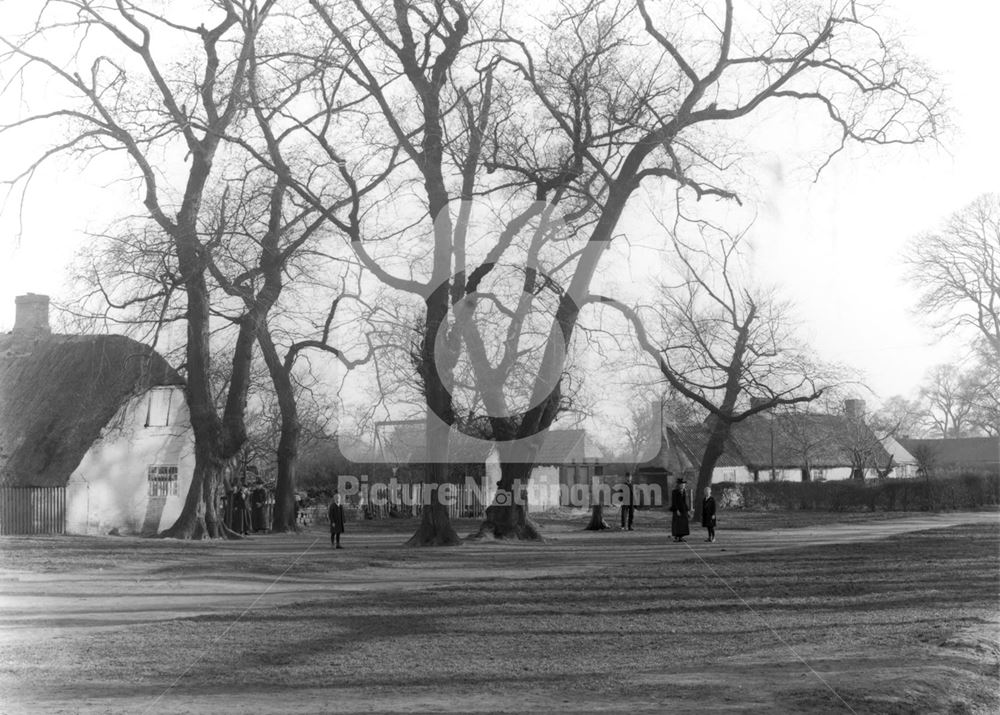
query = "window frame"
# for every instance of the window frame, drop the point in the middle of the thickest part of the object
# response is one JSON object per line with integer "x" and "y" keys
{"x": 162, "y": 480}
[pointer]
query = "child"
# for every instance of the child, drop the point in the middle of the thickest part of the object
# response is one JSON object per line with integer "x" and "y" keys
{"x": 708, "y": 514}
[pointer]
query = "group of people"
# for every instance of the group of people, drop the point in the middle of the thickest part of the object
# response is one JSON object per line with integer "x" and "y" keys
{"x": 680, "y": 509}
{"x": 681, "y": 512}
{"x": 248, "y": 509}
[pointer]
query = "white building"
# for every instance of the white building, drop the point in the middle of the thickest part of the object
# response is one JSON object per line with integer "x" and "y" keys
{"x": 94, "y": 432}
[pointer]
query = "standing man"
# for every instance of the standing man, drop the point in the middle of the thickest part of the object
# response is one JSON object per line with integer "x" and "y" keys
{"x": 679, "y": 508}
{"x": 336, "y": 514}
{"x": 628, "y": 502}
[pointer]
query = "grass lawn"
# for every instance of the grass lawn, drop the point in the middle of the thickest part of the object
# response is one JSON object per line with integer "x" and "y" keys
{"x": 905, "y": 622}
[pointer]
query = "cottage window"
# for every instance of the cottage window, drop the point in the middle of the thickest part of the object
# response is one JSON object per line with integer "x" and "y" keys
{"x": 818, "y": 475}
{"x": 162, "y": 480}
{"x": 158, "y": 407}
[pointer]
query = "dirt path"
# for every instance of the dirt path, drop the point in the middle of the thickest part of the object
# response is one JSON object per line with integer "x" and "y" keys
{"x": 106, "y": 625}
{"x": 129, "y": 592}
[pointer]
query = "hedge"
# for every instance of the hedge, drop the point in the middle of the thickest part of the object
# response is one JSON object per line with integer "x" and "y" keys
{"x": 963, "y": 491}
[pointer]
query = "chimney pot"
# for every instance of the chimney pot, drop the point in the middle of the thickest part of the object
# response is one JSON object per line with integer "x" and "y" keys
{"x": 854, "y": 409}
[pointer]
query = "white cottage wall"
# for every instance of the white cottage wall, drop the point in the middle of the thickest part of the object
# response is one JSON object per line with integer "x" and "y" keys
{"x": 731, "y": 474}
{"x": 110, "y": 489}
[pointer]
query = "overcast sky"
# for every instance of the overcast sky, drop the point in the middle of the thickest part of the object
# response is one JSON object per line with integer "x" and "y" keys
{"x": 833, "y": 245}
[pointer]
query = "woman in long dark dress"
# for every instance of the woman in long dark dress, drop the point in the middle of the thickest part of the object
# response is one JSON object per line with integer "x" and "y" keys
{"x": 679, "y": 508}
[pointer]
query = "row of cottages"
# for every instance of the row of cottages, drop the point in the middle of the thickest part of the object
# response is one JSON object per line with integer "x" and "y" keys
{"x": 566, "y": 458}
{"x": 94, "y": 432}
{"x": 792, "y": 446}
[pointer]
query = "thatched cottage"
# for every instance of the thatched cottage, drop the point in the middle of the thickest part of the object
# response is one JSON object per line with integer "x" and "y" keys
{"x": 94, "y": 432}
{"x": 794, "y": 446}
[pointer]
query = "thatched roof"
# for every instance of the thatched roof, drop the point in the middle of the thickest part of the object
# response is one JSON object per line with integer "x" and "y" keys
{"x": 785, "y": 441}
{"x": 58, "y": 392}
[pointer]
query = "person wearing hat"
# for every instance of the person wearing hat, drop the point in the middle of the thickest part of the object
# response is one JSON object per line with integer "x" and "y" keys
{"x": 679, "y": 508}
{"x": 336, "y": 514}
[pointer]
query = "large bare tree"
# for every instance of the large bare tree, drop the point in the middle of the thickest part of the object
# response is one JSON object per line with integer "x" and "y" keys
{"x": 723, "y": 343}
{"x": 559, "y": 116}
{"x": 124, "y": 94}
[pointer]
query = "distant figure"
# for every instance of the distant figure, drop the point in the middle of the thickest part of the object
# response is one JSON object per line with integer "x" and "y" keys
{"x": 708, "y": 514}
{"x": 241, "y": 510}
{"x": 258, "y": 504}
{"x": 336, "y": 514}
{"x": 679, "y": 508}
{"x": 628, "y": 502}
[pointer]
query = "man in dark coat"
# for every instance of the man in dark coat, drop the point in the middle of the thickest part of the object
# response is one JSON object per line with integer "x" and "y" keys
{"x": 628, "y": 502}
{"x": 679, "y": 508}
{"x": 336, "y": 514}
{"x": 708, "y": 514}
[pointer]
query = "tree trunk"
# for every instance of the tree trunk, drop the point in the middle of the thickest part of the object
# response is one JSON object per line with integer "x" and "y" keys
{"x": 435, "y": 525}
{"x": 507, "y": 517}
{"x": 597, "y": 522}
{"x": 199, "y": 519}
{"x": 714, "y": 448}
{"x": 283, "y": 519}
{"x": 215, "y": 440}
{"x": 435, "y": 522}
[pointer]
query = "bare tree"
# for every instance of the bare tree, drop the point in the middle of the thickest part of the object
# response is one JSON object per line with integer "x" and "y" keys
{"x": 899, "y": 417}
{"x": 863, "y": 440}
{"x": 958, "y": 270}
{"x": 727, "y": 347}
{"x": 985, "y": 373}
{"x": 555, "y": 117}
{"x": 949, "y": 398}
{"x": 123, "y": 96}
{"x": 259, "y": 239}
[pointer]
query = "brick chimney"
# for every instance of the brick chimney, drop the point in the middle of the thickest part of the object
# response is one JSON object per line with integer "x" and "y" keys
{"x": 854, "y": 409}
{"x": 32, "y": 315}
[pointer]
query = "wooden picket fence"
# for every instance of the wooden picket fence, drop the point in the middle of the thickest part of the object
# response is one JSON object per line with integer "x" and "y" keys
{"x": 32, "y": 510}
